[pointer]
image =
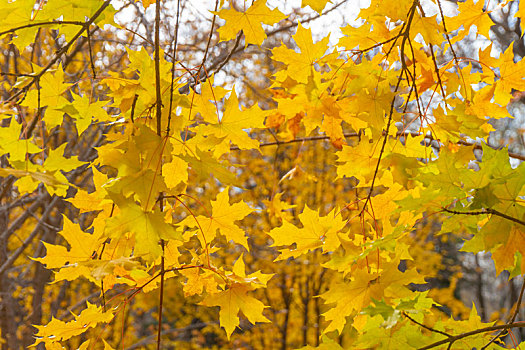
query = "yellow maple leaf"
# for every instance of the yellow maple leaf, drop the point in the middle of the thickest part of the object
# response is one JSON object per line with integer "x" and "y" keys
{"x": 349, "y": 297}
{"x": 363, "y": 36}
{"x": 394, "y": 282}
{"x": 57, "y": 330}
{"x": 471, "y": 13}
{"x": 277, "y": 208}
{"x": 175, "y": 172}
{"x": 249, "y": 21}
{"x": 316, "y": 5}
{"x": 234, "y": 122}
{"x": 84, "y": 111}
{"x": 12, "y": 143}
{"x": 198, "y": 280}
{"x": 504, "y": 255}
{"x": 359, "y": 161}
{"x": 56, "y": 160}
{"x": 511, "y": 77}
{"x": 317, "y": 232}
{"x": 206, "y": 103}
{"x": 332, "y": 125}
{"x": 233, "y": 300}
{"x": 238, "y": 275}
{"x": 222, "y": 219}
{"x": 52, "y": 87}
{"x": 299, "y": 65}
{"x": 82, "y": 246}
{"x": 28, "y": 181}
{"x": 149, "y": 227}
{"x": 146, "y": 3}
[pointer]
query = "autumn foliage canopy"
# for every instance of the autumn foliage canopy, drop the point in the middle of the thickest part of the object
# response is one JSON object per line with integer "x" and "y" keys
{"x": 258, "y": 186}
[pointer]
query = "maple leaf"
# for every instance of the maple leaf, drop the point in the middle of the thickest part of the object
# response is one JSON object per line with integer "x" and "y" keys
{"x": 317, "y": 232}
{"x": 97, "y": 200}
{"x": 394, "y": 282}
{"x": 52, "y": 87}
{"x": 10, "y": 142}
{"x": 473, "y": 323}
{"x": 332, "y": 120}
{"x": 358, "y": 161}
{"x": 84, "y": 111}
{"x": 511, "y": 77}
{"x": 15, "y": 15}
{"x": 377, "y": 12}
{"x": 471, "y": 13}
{"x": 349, "y": 297}
{"x": 175, "y": 172}
{"x": 148, "y": 226}
{"x": 233, "y": 300}
{"x": 56, "y": 160}
{"x": 326, "y": 344}
{"x": 300, "y": 65}
{"x": 146, "y": 3}
{"x": 504, "y": 255}
{"x": 82, "y": 246}
{"x": 363, "y": 36}
{"x": 427, "y": 27}
{"x": 481, "y": 108}
{"x": 316, "y": 5}
{"x": 222, "y": 219}
{"x": 28, "y": 180}
{"x": 57, "y": 330}
{"x": 238, "y": 274}
{"x": 204, "y": 164}
{"x": 276, "y": 207}
{"x": 199, "y": 280}
{"x": 249, "y": 21}
{"x": 234, "y": 122}
{"x": 206, "y": 103}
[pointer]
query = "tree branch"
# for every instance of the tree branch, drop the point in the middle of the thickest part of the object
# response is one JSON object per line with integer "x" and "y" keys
{"x": 428, "y": 138}
{"x": 487, "y": 211}
{"x": 512, "y": 319}
{"x": 12, "y": 30}
{"x": 426, "y": 327}
{"x": 454, "y": 338}
{"x": 29, "y": 239}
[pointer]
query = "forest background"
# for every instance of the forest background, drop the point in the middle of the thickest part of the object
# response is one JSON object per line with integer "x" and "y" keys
{"x": 182, "y": 174}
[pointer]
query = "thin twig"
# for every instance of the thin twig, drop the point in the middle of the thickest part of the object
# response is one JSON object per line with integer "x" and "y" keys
{"x": 12, "y": 30}
{"x": 476, "y": 146}
{"x": 9, "y": 262}
{"x": 173, "y": 62}
{"x": 474, "y": 332}
{"x": 210, "y": 36}
{"x": 406, "y": 37}
{"x": 304, "y": 21}
{"x": 447, "y": 36}
{"x": 487, "y": 211}
{"x": 91, "y": 61}
{"x": 426, "y": 327}
{"x": 133, "y": 108}
{"x": 512, "y": 319}
{"x": 157, "y": 67}
{"x": 19, "y": 221}
{"x": 436, "y": 68}
{"x": 159, "y": 133}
